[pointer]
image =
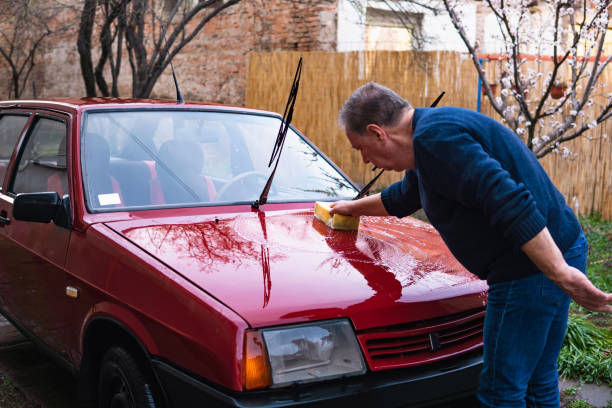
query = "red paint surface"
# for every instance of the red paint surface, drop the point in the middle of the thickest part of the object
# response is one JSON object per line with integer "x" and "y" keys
{"x": 170, "y": 316}
{"x": 282, "y": 267}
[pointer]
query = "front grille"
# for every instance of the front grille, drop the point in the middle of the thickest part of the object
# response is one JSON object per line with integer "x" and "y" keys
{"x": 422, "y": 342}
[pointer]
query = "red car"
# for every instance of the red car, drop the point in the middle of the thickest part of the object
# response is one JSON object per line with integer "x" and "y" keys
{"x": 132, "y": 252}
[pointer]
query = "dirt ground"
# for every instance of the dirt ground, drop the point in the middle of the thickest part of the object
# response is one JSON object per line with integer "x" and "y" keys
{"x": 12, "y": 397}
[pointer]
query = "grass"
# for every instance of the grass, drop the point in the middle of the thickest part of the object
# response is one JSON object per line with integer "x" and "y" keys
{"x": 586, "y": 354}
{"x": 587, "y": 350}
{"x": 578, "y": 404}
{"x": 599, "y": 236}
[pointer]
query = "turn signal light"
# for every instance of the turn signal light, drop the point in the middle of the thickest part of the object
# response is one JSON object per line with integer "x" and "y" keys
{"x": 255, "y": 367}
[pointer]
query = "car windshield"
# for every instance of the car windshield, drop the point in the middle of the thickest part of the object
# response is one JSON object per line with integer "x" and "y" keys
{"x": 157, "y": 158}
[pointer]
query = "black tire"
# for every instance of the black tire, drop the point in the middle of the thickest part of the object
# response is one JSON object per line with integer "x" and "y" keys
{"x": 122, "y": 383}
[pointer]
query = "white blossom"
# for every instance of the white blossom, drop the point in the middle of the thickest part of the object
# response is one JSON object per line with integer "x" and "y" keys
{"x": 565, "y": 152}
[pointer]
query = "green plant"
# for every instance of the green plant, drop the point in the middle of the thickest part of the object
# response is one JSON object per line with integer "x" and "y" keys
{"x": 586, "y": 352}
{"x": 570, "y": 391}
{"x": 578, "y": 404}
{"x": 599, "y": 264}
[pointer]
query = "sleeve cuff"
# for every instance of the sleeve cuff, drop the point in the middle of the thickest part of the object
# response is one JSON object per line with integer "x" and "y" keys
{"x": 526, "y": 227}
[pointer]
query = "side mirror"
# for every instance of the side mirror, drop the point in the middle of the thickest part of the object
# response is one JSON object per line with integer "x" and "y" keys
{"x": 43, "y": 207}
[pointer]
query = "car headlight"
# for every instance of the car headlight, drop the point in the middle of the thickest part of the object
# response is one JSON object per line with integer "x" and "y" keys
{"x": 305, "y": 352}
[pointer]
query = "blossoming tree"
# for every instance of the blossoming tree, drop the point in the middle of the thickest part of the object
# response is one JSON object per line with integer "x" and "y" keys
{"x": 553, "y": 59}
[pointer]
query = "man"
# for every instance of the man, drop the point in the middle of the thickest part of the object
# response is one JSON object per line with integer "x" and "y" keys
{"x": 501, "y": 217}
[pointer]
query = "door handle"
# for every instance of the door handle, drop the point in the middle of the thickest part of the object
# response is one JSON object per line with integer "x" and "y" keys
{"x": 4, "y": 220}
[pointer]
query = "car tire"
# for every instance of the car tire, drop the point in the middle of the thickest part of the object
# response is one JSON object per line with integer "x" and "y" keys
{"x": 122, "y": 383}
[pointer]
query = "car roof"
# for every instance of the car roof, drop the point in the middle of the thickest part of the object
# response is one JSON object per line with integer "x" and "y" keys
{"x": 81, "y": 104}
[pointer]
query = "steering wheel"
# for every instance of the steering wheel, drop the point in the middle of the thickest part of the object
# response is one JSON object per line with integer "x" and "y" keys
{"x": 239, "y": 182}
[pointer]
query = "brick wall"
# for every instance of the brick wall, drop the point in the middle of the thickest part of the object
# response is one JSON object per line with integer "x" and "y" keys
{"x": 213, "y": 66}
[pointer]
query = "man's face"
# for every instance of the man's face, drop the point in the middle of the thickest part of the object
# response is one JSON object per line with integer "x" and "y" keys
{"x": 372, "y": 149}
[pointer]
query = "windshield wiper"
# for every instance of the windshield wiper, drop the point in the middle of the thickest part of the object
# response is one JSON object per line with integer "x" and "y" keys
{"x": 367, "y": 187}
{"x": 282, "y": 133}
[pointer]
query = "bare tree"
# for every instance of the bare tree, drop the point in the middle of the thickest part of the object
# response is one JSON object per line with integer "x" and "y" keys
{"x": 150, "y": 32}
{"x": 565, "y": 41}
{"x": 111, "y": 32}
{"x": 24, "y": 25}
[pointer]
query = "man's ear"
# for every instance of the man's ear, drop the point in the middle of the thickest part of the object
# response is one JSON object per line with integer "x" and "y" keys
{"x": 374, "y": 130}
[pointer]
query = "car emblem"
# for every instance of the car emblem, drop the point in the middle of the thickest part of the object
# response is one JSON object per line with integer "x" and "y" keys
{"x": 434, "y": 342}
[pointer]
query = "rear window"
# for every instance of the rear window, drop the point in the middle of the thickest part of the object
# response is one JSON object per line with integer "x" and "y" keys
{"x": 42, "y": 165}
{"x": 10, "y": 129}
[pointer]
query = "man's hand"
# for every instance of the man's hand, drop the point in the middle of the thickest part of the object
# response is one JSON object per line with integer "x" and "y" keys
{"x": 543, "y": 252}
{"x": 342, "y": 207}
{"x": 582, "y": 291}
{"x": 371, "y": 205}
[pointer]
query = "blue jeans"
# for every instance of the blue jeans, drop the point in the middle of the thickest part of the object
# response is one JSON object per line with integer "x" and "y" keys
{"x": 523, "y": 333}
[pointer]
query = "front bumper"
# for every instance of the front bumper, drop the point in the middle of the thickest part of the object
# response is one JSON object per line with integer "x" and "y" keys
{"x": 411, "y": 387}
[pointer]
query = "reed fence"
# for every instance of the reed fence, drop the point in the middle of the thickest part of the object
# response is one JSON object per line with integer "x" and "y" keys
{"x": 329, "y": 78}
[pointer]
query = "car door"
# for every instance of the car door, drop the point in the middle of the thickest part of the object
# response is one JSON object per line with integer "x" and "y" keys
{"x": 12, "y": 125}
{"x": 34, "y": 254}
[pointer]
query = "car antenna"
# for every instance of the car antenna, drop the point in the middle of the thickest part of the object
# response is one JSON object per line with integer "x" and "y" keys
{"x": 282, "y": 133}
{"x": 179, "y": 97}
{"x": 367, "y": 187}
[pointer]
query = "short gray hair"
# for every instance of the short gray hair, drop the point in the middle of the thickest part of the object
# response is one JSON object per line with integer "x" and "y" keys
{"x": 372, "y": 103}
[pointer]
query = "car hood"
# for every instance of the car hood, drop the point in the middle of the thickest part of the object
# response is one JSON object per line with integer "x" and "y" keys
{"x": 285, "y": 267}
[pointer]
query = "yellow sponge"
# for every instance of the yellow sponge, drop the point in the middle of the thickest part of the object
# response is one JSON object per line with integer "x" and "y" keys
{"x": 337, "y": 221}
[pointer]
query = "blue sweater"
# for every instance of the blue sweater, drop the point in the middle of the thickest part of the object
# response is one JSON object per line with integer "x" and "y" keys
{"x": 483, "y": 190}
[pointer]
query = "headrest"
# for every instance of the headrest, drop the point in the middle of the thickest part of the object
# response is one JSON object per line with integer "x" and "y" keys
{"x": 97, "y": 152}
{"x": 182, "y": 154}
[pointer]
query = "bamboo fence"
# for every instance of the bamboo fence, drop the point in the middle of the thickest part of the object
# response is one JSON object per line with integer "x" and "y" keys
{"x": 329, "y": 78}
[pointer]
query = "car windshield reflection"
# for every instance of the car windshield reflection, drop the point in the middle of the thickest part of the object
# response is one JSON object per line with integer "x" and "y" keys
{"x": 170, "y": 158}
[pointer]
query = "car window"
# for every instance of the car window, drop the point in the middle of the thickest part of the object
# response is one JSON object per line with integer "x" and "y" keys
{"x": 42, "y": 163}
{"x": 10, "y": 130}
{"x": 151, "y": 158}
